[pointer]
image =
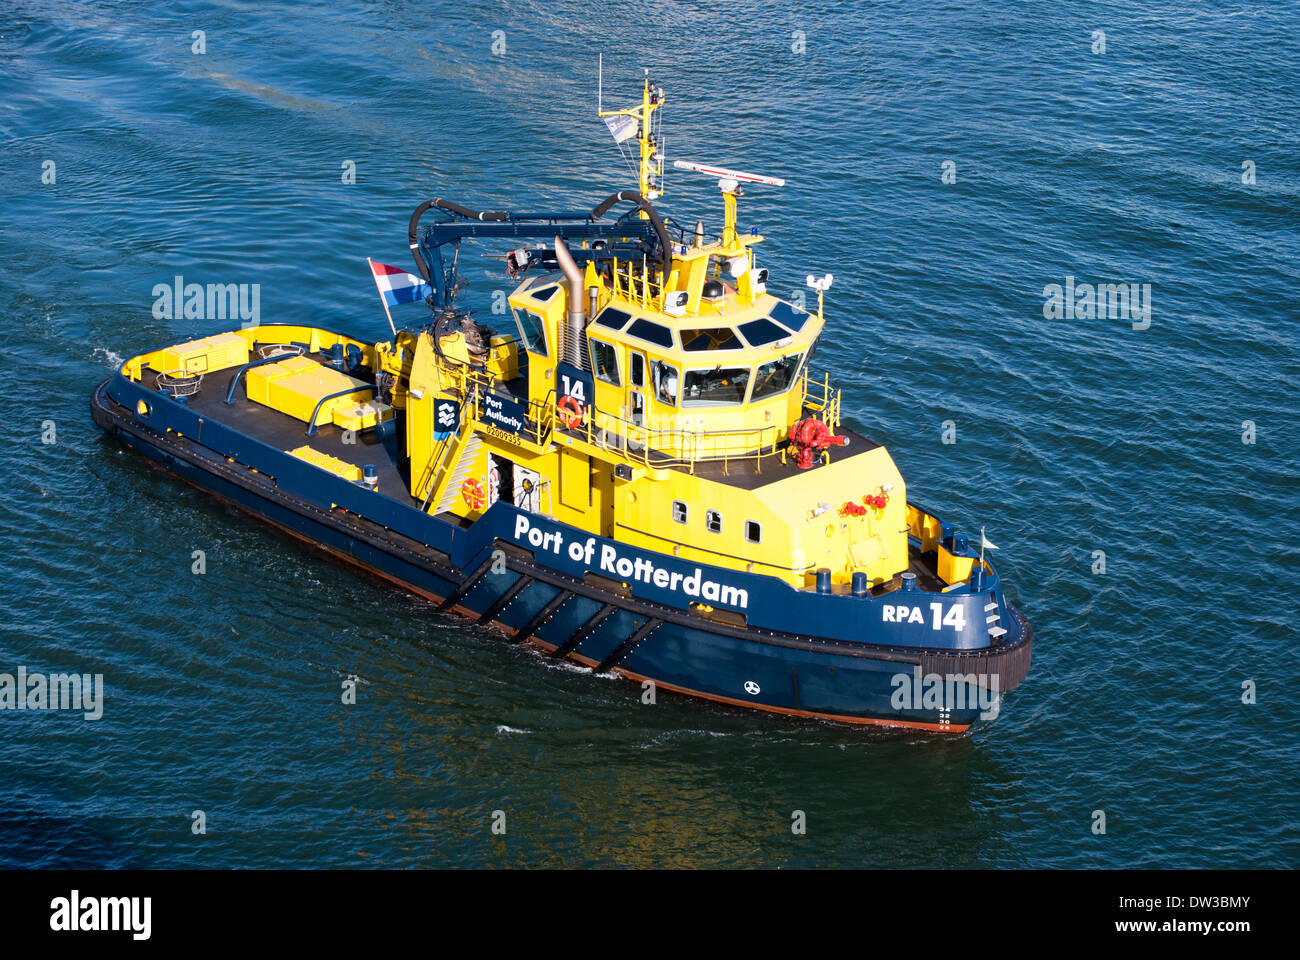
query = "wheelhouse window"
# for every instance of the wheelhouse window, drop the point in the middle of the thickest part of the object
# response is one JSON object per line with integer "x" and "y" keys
{"x": 713, "y": 338}
{"x": 762, "y": 331}
{"x": 544, "y": 294}
{"x": 713, "y": 521}
{"x": 681, "y": 513}
{"x": 775, "y": 376}
{"x": 665, "y": 381}
{"x": 531, "y": 331}
{"x": 613, "y": 318}
{"x": 604, "y": 361}
{"x": 753, "y": 531}
{"x": 718, "y": 386}
{"x": 788, "y": 316}
{"x": 651, "y": 332}
{"x": 637, "y": 364}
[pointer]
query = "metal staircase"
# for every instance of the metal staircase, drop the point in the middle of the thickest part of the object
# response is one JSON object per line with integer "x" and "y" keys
{"x": 464, "y": 455}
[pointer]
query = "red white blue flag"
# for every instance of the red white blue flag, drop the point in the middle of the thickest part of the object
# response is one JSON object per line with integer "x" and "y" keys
{"x": 397, "y": 286}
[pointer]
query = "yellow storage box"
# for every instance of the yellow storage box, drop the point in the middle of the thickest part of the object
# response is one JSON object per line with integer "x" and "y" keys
{"x": 344, "y": 469}
{"x": 204, "y": 356}
{"x": 296, "y": 385}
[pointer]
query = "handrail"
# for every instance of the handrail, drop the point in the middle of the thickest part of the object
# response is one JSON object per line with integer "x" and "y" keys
{"x": 311, "y": 424}
{"x": 234, "y": 381}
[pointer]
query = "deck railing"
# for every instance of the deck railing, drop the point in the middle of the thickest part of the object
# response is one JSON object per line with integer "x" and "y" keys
{"x": 677, "y": 445}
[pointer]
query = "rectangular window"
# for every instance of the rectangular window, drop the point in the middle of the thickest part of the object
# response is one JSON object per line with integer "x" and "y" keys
{"x": 713, "y": 521}
{"x": 613, "y": 318}
{"x": 753, "y": 531}
{"x": 762, "y": 331}
{"x": 638, "y": 370}
{"x": 712, "y": 338}
{"x": 719, "y": 385}
{"x": 604, "y": 362}
{"x": 680, "y": 511}
{"x": 788, "y": 316}
{"x": 651, "y": 332}
{"x": 531, "y": 331}
{"x": 775, "y": 376}
{"x": 665, "y": 378}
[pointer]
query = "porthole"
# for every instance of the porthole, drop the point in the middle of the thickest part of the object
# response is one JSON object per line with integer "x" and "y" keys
{"x": 753, "y": 531}
{"x": 713, "y": 521}
{"x": 680, "y": 511}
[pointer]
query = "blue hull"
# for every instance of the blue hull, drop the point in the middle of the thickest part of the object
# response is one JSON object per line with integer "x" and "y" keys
{"x": 799, "y": 653}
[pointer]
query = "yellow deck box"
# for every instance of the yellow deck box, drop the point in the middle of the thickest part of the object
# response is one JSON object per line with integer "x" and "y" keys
{"x": 362, "y": 416}
{"x": 219, "y": 352}
{"x": 296, "y": 385}
{"x": 344, "y": 469}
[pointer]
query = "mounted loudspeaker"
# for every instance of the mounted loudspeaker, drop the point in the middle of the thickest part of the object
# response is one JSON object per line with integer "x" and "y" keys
{"x": 759, "y": 281}
{"x": 675, "y": 303}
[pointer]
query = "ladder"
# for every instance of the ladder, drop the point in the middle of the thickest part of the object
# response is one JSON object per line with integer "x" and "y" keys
{"x": 465, "y": 453}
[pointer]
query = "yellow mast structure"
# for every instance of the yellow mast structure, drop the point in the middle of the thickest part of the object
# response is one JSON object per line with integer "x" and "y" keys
{"x": 652, "y": 161}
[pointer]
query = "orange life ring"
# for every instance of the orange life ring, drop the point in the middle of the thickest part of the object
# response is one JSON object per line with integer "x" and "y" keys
{"x": 570, "y": 411}
{"x": 474, "y": 494}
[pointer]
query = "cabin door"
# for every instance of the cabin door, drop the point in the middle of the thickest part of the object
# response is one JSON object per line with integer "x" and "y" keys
{"x": 636, "y": 393}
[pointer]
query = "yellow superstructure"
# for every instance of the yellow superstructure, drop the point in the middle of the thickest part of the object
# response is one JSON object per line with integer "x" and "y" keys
{"x": 698, "y": 375}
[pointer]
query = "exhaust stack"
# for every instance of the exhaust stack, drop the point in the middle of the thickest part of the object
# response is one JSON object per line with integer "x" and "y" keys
{"x": 577, "y": 308}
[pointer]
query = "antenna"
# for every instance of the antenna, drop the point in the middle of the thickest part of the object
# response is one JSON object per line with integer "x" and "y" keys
{"x": 600, "y": 84}
{"x": 723, "y": 173}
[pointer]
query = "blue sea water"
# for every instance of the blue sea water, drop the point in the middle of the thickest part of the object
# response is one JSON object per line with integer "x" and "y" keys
{"x": 1073, "y": 435}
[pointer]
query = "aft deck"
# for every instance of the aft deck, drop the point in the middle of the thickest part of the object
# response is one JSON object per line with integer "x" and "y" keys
{"x": 286, "y": 433}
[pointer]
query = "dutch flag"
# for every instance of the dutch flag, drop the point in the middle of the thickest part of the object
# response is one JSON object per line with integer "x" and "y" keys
{"x": 397, "y": 286}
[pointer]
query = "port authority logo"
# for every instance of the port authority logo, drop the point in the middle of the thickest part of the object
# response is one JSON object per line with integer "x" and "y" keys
{"x": 446, "y": 414}
{"x": 615, "y": 564}
{"x": 75, "y": 913}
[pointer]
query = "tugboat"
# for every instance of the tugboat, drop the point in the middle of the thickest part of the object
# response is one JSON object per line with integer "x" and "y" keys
{"x": 643, "y": 475}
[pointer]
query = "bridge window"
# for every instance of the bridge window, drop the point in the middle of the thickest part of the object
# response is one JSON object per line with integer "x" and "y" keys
{"x": 651, "y": 332}
{"x": 753, "y": 531}
{"x": 612, "y": 318}
{"x": 713, "y": 521}
{"x": 715, "y": 386}
{"x": 775, "y": 376}
{"x": 762, "y": 331}
{"x": 545, "y": 293}
{"x": 714, "y": 338}
{"x": 665, "y": 378}
{"x": 531, "y": 331}
{"x": 788, "y": 316}
{"x": 638, "y": 369}
{"x": 681, "y": 513}
{"x": 604, "y": 363}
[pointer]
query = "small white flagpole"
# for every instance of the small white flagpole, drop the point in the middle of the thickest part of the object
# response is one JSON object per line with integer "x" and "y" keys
{"x": 983, "y": 540}
{"x": 381, "y": 298}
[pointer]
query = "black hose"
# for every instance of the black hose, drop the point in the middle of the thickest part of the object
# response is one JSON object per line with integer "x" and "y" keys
{"x": 458, "y": 210}
{"x": 623, "y": 196}
{"x": 631, "y": 196}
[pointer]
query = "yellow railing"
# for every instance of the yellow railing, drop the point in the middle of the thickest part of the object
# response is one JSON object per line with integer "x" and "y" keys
{"x": 677, "y": 446}
{"x": 824, "y": 400}
{"x": 634, "y": 284}
{"x": 651, "y": 446}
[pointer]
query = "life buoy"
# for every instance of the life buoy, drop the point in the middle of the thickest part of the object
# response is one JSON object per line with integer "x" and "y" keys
{"x": 474, "y": 494}
{"x": 570, "y": 411}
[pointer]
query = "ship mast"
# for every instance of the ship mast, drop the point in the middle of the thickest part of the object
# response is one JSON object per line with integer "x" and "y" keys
{"x": 651, "y": 169}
